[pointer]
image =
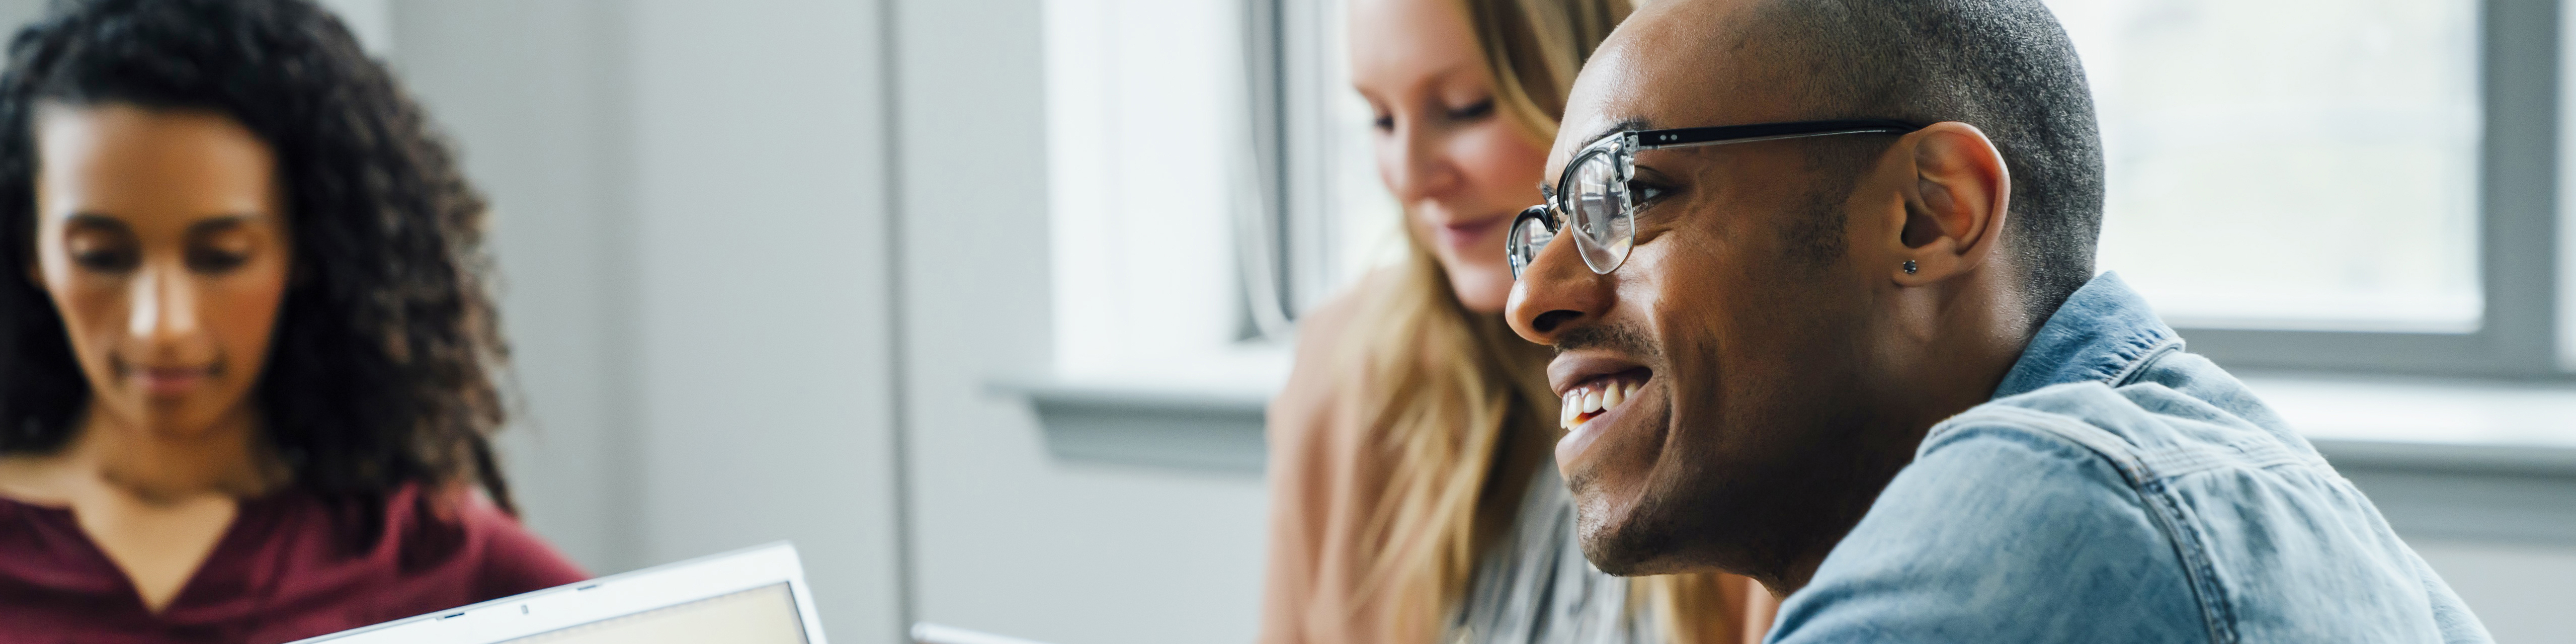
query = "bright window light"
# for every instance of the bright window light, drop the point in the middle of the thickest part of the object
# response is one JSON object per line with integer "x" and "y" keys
{"x": 2290, "y": 164}
{"x": 1368, "y": 224}
{"x": 1147, "y": 142}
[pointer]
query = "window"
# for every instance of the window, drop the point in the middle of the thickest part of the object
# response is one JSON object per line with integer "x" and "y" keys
{"x": 1211, "y": 181}
{"x": 2290, "y": 164}
{"x": 1331, "y": 218}
{"x": 2340, "y": 185}
{"x": 2333, "y": 184}
{"x": 1152, "y": 169}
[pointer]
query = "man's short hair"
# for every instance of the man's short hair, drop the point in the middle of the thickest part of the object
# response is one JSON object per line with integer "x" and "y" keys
{"x": 2005, "y": 66}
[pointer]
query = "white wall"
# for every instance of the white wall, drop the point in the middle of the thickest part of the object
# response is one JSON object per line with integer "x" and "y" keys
{"x": 530, "y": 94}
{"x": 690, "y": 220}
{"x": 762, "y": 308}
{"x": 1006, "y": 539}
{"x": 2521, "y": 592}
{"x": 687, "y": 225}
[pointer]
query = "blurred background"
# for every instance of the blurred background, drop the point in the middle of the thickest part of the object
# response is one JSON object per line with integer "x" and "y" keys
{"x": 979, "y": 301}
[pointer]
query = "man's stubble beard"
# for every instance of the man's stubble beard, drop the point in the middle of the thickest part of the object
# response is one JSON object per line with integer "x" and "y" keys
{"x": 1757, "y": 520}
{"x": 1638, "y": 543}
{"x": 1747, "y": 484}
{"x": 1686, "y": 519}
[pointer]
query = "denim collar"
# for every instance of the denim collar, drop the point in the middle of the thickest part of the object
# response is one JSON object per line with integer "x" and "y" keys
{"x": 2104, "y": 332}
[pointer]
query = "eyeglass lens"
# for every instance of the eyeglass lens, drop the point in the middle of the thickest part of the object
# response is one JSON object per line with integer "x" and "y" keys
{"x": 1601, "y": 216}
{"x": 1529, "y": 234}
{"x": 1596, "y": 203}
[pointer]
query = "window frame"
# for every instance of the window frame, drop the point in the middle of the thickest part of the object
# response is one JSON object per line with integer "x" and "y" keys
{"x": 1287, "y": 240}
{"x": 2518, "y": 211}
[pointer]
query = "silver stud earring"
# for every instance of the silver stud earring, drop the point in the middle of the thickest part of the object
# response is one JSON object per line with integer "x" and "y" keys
{"x": 1909, "y": 267}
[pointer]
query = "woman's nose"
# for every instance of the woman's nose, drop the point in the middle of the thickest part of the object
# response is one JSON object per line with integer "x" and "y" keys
{"x": 1420, "y": 168}
{"x": 164, "y": 308}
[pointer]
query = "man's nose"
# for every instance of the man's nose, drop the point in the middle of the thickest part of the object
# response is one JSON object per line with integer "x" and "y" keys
{"x": 1556, "y": 292}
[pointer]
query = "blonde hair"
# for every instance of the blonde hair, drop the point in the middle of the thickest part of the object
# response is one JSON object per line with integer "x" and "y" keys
{"x": 1461, "y": 404}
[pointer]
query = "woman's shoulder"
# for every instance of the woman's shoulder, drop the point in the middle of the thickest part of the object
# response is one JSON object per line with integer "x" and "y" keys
{"x": 438, "y": 535}
{"x": 513, "y": 558}
{"x": 1316, "y": 419}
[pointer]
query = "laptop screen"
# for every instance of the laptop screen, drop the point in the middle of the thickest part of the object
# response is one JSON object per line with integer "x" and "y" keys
{"x": 764, "y": 615}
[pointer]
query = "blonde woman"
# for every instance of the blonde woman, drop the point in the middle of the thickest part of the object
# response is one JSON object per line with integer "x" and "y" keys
{"x": 1414, "y": 497}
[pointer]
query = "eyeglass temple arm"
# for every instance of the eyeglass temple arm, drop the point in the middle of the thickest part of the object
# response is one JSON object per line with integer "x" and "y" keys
{"x": 1681, "y": 137}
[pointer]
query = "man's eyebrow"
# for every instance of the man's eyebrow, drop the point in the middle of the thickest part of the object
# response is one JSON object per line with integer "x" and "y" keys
{"x": 1633, "y": 123}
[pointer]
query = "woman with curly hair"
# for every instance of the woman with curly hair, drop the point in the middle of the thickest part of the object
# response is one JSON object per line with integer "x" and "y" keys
{"x": 247, "y": 359}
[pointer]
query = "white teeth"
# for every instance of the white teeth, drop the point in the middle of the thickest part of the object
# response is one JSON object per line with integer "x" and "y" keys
{"x": 1594, "y": 399}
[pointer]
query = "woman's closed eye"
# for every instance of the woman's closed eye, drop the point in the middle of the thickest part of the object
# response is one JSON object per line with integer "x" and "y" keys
{"x": 215, "y": 260}
{"x": 107, "y": 260}
{"x": 220, "y": 246}
{"x": 1473, "y": 111}
{"x": 102, "y": 251}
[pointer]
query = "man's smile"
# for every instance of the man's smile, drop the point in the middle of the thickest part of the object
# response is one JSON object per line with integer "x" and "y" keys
{"x": 1601, "y": 395}
{"x": 1598, "y": 389}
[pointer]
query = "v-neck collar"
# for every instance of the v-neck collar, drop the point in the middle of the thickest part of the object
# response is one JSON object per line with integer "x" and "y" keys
{"x": 237, "y": 540}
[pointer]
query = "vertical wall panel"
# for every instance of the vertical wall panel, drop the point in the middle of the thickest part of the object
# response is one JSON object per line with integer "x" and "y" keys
{"x": 530, "y": 94}
{"x": 761, "y": 299}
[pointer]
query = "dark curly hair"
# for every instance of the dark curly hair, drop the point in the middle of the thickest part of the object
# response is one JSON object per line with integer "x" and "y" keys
{"x": 386, "y": 352}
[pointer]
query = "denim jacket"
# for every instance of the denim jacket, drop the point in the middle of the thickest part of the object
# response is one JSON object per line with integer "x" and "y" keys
{"x": 2119, "y": 489}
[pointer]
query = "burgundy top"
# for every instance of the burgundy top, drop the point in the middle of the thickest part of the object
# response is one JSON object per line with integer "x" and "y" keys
{"x": 285, "y": 570}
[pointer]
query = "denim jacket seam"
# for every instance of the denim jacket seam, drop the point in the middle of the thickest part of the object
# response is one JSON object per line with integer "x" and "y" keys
{"x": 2199, "y": 573}
{"x": 2216, "y": 614}
{"x": 2165, "y": 346}
{"x": 2151, "y": 487}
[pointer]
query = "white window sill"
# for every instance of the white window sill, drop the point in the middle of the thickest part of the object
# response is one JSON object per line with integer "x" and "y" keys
{"x": 1203, "y": 427}
{"x": 2451, "y": 459}
{"x": 2430, "y": 424}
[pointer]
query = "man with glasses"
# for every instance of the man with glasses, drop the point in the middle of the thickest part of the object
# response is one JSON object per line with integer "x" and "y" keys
{"x": 1820, "y": 278}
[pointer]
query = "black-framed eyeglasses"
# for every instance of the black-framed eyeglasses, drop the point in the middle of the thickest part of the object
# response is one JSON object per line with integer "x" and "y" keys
{"x": 1593, "y": 193}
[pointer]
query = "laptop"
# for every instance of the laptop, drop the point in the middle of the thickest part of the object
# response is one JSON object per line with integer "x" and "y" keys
{"x": 751, "y": 596}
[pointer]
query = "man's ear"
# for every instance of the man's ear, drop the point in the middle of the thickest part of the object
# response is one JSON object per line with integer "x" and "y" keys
{"x": 1956, "y": 205}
